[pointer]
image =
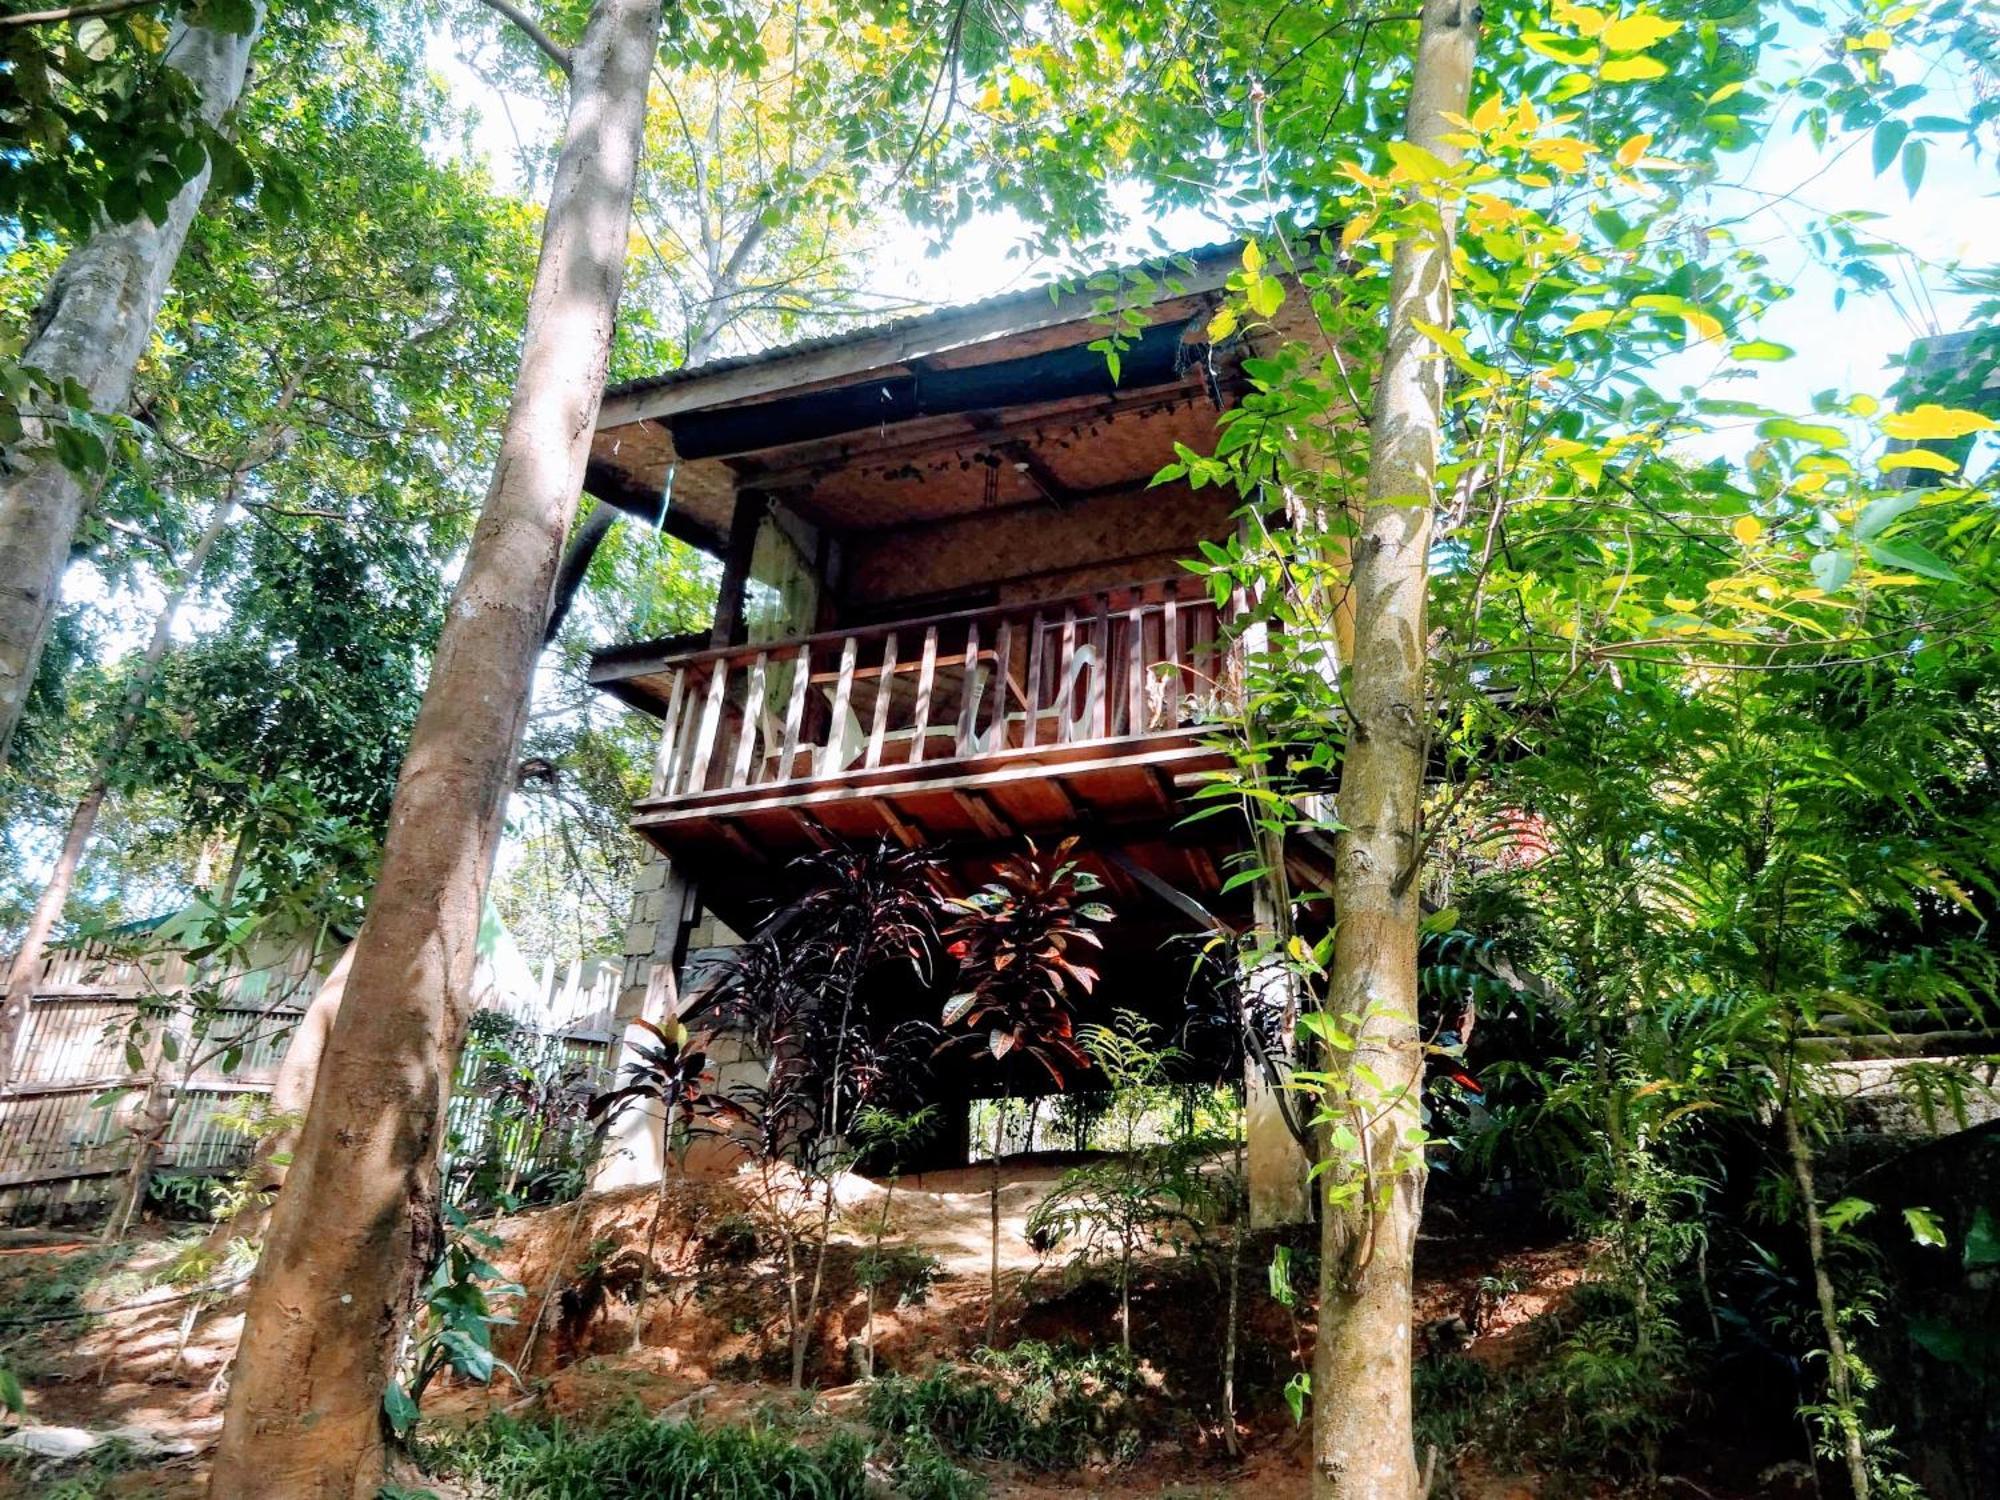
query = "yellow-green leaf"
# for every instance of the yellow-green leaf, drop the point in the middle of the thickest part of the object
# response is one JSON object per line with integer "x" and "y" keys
{"x": 1761, "y": 349}
{"x": 1933, "y": 421}
{"x": 1919, "y": 458}
{"x": 1584, "y": 322}
{"x": 1253, "y": 257}
{"x": 1565, "y": 49}
{"x": 1222, "y": 325}
{"x": 1632, "y": 69}
{"x": 1586, "y": 20}
{"x": 1636, "y": 33}
{"x": 1267, "y": 296}
{"x": 1419, "y": 164}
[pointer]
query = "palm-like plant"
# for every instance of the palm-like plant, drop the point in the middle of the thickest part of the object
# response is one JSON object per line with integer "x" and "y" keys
{"x": 1014, "y": 941}
{"x": 673, "y": 1077}
{"x": 798, "y": 994}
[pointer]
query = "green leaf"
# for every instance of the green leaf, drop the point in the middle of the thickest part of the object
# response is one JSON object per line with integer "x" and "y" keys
{"x": 1982, "y": 1241}
{"x": 399, "y": 1409}
{"x": 1877, "y": 514}
{"x": 1914, "y": 156}
{"x": 1924, "y": 1227}
{"x": 1297, "y": 1390}
{"x": 1912, "y": 557}
{"x": 1790, "y": 429}
{"x": 1889, "y": 138}
{"x": 1831, "y": 570}
{"x": 1847, "y": 1211}
{"x": 11, "y": 1396}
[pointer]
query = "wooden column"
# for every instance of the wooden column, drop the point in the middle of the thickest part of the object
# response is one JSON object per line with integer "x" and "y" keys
{"x": 751, "y": 506}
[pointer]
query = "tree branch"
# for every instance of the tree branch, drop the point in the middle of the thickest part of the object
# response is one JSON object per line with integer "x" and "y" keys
{"x": 555, "y": 51}
{"x": 73, "y": 13}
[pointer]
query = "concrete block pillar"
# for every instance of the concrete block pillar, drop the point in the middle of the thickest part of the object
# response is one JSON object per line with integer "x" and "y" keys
{"x": 634, "y": 1148}
{"x": 1276, "y": 1164}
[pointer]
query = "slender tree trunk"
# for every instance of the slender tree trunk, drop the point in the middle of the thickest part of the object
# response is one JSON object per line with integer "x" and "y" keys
{"x": 993, "y": 1216}
{"x": 1232, "y": 1315}
{"x": 875, "y": 1273}
{"x": 1838, "y": 1380}
{"x": 83, "y": 821}
{"x": 646, "y": 1265}
{"x": 291, "y": 1095}
{"x": 1362, "y": 1438}
{"x": 92, "y": 327}
{"x": 357, "y": 1218}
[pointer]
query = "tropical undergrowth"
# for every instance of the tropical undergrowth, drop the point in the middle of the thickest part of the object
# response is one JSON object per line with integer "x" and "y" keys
{"x": 1043, "y": 1406}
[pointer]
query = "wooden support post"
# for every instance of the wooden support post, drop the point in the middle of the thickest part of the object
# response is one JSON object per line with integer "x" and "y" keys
{"x": 751, "y": 506}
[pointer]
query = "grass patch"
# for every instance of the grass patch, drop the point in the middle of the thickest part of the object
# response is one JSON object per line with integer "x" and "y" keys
{"x": 1045, "y": 1407}
{"x": 635, "y": 1457}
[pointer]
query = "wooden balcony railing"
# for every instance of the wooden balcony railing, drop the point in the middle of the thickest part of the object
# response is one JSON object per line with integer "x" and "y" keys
{"x": 927, "y": 696}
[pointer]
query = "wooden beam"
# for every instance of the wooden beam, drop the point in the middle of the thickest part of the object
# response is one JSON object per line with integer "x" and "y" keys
{"x": 985, "y": 817}
{"x": 741, "y": 845}
{"x": 601, "y": 481}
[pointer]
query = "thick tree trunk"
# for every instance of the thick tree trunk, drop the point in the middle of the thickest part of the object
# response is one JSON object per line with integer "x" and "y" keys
{"x": 92, "y": 327}
{"x": 1361, "y": 1382}
{"x": 83, "y": 821}
{"x": 356, "y": 1219}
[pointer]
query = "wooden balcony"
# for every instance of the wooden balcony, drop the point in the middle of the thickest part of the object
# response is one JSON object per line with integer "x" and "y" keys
{"x": 963, "y": 730}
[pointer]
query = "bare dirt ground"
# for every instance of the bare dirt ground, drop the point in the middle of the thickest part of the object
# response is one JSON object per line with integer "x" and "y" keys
{"x": 151, "y": 1365}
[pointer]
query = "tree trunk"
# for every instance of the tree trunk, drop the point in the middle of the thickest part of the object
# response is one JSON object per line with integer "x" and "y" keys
{"x": 993, "y": 1216}
{"x": 1232, "y": 1314}
{"x": 1838, "y": 1379}
{"x": 92, "y": 326}
{"x": 83, "y": 821}
{"x": 291, "y": 1095}
{"x": 1362, "y": 1439}
{"x": 357, "y": 1218}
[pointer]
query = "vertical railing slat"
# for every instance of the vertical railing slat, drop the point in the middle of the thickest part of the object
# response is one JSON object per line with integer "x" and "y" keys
{"x": 663, "y": 764}
{"x": 1135, "y": 671}
{"x": 843, "y": 694}
{"x": 1100, "y": 728}
{"x": 746, "y": 730}
{"x": 795, "y": 711}
{"x": 920, "y": 721}
{"x": 1032, "y": 708}
{"x": 885, "y": 683}
{"x": 1003, "y": 665}
{"x": 1173, "y": 681}
{"x": 968, "y": 697}
{"x": 711, "y": 719}
{"x": 1065, "y": 687}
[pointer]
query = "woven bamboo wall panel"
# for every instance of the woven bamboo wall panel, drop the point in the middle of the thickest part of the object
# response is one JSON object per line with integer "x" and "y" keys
{"x": 1030, "y": 550}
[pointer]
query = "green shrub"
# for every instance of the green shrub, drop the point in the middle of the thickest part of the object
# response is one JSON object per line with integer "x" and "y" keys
{"x": 636, "y": 1457}
{"x": 923, "y": 1471}
{"x": 1043, "y": 1406}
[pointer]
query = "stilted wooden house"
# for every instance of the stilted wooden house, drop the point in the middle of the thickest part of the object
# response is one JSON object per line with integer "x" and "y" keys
{"x": 952, "y": 610}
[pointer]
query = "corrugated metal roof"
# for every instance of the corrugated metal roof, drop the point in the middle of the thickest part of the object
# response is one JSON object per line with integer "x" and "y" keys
{"x": 1027, "y": 297}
